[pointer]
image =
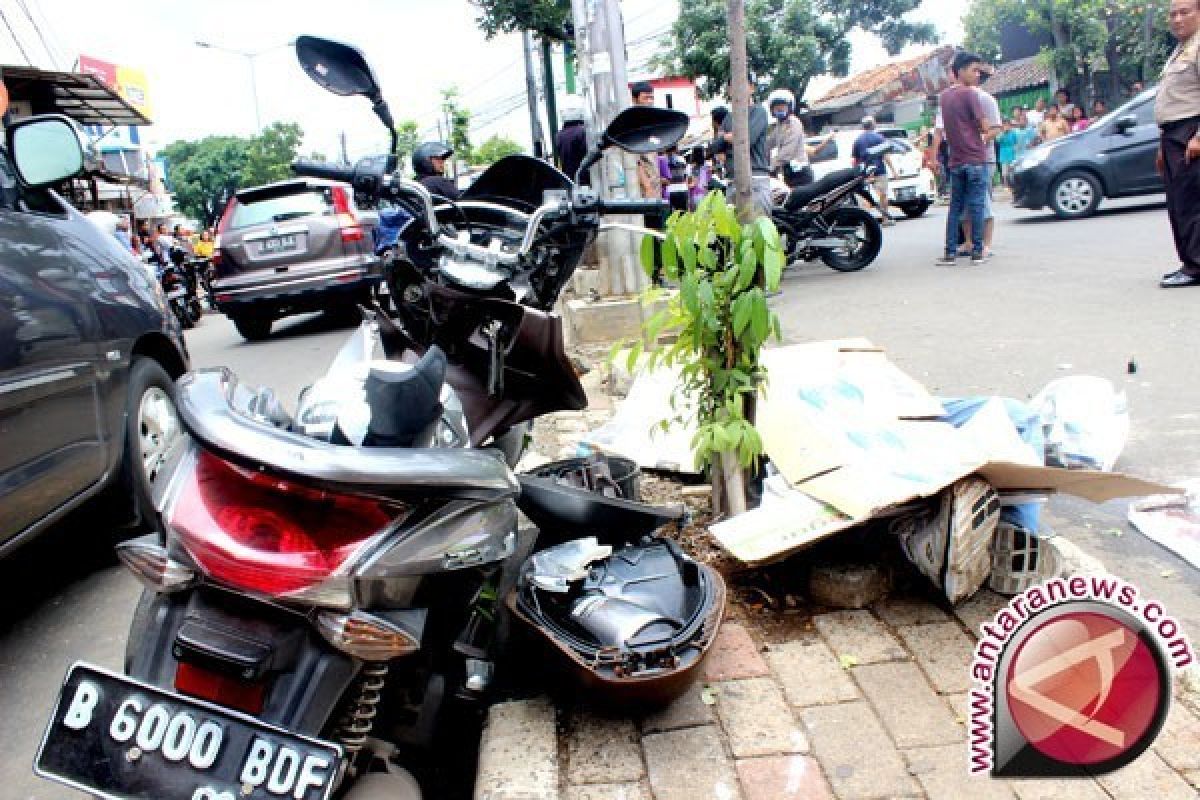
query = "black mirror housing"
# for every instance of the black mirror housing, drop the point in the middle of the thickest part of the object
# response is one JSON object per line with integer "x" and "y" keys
{"x": 645, "y": 129}
{"x": 336, "y": 67}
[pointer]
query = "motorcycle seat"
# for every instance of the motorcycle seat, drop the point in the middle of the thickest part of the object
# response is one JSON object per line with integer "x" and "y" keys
{"x": 801, "y": 196}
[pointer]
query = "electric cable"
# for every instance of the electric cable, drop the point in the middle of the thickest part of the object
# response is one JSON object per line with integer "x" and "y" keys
{"x": 38, "y": 31}
{"x": 13, "y": 34}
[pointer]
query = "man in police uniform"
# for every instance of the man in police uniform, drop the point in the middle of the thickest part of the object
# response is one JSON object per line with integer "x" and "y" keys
{"x": 1177, "y": 111}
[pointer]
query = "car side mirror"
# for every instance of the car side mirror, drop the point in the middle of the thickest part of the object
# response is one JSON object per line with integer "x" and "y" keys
{"x": 1125, "y": 123}
{"x": 45, "y": 149}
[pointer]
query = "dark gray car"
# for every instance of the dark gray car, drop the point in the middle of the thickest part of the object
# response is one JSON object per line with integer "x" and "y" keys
{"x": 291, "y": 247}
{"x": 88, "y": 350}
{"x": 1114, "y": 157}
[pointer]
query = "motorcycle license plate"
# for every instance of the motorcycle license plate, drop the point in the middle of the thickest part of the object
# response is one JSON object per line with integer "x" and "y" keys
{"x": 118, "y": 738}
{"x": 279, "y": 244}
{"x": 175, "y": 294}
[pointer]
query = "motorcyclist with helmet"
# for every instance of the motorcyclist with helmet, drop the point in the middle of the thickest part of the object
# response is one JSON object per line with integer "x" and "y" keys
{"x": 786, "y": 140}
{"x": 429, "y": 165}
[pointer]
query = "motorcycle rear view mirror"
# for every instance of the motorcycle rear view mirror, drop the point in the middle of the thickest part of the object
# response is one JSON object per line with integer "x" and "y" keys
{"x": 646, "y": 129}
{"x": 638, "y": 129}
{"x": 343, "y": 70}
{"x": 336, "y": 67}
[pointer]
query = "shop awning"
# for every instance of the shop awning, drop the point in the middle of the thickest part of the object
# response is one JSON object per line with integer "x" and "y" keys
{"x": 83, "y": 98}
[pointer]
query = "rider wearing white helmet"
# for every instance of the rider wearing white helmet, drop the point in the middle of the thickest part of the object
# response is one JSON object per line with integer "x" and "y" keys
{"x": 786, "y": 140}
{"x": 571, "y": 141}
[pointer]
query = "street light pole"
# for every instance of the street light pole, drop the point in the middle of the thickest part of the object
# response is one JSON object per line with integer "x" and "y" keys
{"x": 249, "y": 56}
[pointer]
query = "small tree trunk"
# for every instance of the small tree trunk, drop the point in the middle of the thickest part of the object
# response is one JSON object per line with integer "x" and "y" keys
{"x": 735, "y": 483}
{"x": 739, "y": 97}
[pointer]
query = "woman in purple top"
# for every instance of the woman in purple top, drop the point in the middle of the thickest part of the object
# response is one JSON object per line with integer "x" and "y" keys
{"x": 700, "y": 174}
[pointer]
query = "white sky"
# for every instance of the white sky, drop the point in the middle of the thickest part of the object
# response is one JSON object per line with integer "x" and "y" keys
{"x": 417, "y": 47}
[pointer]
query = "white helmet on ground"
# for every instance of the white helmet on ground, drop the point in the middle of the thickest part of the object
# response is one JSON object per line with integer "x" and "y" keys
{"x": 781, "y": 96}
{"x": 572, "y": 110}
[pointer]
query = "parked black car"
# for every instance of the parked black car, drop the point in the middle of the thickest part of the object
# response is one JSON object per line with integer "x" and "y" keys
{"x": 1114, "y": 157}
{"x": 88, "y": 350}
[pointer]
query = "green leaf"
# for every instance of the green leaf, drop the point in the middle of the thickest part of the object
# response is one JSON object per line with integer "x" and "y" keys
{"x": 741, "y": 314}
{"x": 648, "y": 255}
{"x": 635, "y": 352}
{"x": 747, "y": 269}
{"x": 776, "y": 328}
{"x": 773, "y": 262}
{"x": 759, "y": 321}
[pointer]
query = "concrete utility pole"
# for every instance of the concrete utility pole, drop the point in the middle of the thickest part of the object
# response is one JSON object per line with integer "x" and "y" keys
{"x": 600, "y": 43}
{"x": 531, "y": 96}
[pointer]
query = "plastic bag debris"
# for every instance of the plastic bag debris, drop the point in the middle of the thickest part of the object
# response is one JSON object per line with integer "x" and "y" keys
{"x": 555, "y": 568}
{"x": 1085, "y": 421}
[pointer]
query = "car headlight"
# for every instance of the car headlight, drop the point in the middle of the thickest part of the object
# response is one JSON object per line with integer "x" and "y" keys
{"x": 1034, "y": 157}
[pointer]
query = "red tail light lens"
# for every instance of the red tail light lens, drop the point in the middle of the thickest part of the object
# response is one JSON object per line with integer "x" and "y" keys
{"x": 221, "y": 689}
{"x": 272, "y": 536}
{"x": 351, "y": 230}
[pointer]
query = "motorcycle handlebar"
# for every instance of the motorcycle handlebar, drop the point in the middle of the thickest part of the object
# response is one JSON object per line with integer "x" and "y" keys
{"x": 320, "y": 169}
{"x": 633, "y": 207}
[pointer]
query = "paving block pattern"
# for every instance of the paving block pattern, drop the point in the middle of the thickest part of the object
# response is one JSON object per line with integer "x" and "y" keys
{"x": 518, "y": 752}
{"x": 855, "y": 752}
{"x": 757, "y": 720}
{"x": 811, "y": 674}
{"x": 942, "y": 772}
{"x": 687, "y": 711}
{"x": 1062, "y": 789}
{"x": 979, "y": 608}
{"x": 782, "y": 778}
{"x": 898, "y": 611}
{"x": 603, "y": 750}
{"x": 734, "y": 656}
{"x": 859, "y": 635}
{"x": 1178, "y": 743}
{"x": 690, "y": 764}
{"x": 912, "y": 713}
{"x": 608, "y": 791}
{"x": 943, "y": 651}
{"x": 1148, "y": 777}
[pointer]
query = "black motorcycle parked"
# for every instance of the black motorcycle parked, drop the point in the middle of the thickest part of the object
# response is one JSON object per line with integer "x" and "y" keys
{"x": 172, "y": 278}
{"x": 819, "y": 220}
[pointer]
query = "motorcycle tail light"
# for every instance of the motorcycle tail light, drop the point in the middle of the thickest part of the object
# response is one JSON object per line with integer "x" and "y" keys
{"x": 224, "y": 690}
{"x": 348, "y": 223}
{"x": 366, "y": 636}
{"x": 153, "y": 566}
{"x": 273, "y": 536}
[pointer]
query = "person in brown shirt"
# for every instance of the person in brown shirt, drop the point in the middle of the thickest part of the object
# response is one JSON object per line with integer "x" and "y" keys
{"x": 1054, "y": 126}
{"x": 1177, "y": 112}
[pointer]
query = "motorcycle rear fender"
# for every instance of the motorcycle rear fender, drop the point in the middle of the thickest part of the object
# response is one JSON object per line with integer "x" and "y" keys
{"x": 305, "y": 677}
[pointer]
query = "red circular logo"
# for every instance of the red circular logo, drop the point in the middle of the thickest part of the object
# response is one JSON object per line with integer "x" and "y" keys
{"x": 1084, "y": 688}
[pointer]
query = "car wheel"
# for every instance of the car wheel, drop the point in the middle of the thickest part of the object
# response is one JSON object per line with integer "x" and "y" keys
{"x": 253, "y": 329}
{"x": 1075, "y": 195}
{"x": 914, "y": 210}
{"x": 153, "y": 431}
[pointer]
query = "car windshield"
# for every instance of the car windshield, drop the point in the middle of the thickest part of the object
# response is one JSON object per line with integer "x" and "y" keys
{"x": 280, "y": 209}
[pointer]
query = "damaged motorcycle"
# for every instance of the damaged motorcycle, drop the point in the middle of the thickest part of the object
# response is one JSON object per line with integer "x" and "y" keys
{"x": 335, "y": 587}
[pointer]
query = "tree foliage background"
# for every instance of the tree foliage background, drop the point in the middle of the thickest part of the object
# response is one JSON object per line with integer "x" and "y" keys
{"x": 493, "y": 149}
{"x": 1098, "y": 45}
{"x": 204, "y": 174}
{"x": 550, "y": 19}
{"x": 787, "y": 41}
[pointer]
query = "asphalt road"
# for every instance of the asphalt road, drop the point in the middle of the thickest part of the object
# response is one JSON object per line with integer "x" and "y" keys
{"x": 1058, "y": 298}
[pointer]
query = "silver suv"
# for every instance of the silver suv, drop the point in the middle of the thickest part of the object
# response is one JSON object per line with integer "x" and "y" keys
{"x": 289, "y": 248}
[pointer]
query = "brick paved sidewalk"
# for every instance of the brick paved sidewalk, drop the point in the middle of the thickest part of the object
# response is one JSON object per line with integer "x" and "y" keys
{"x": 870, "y": 704}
